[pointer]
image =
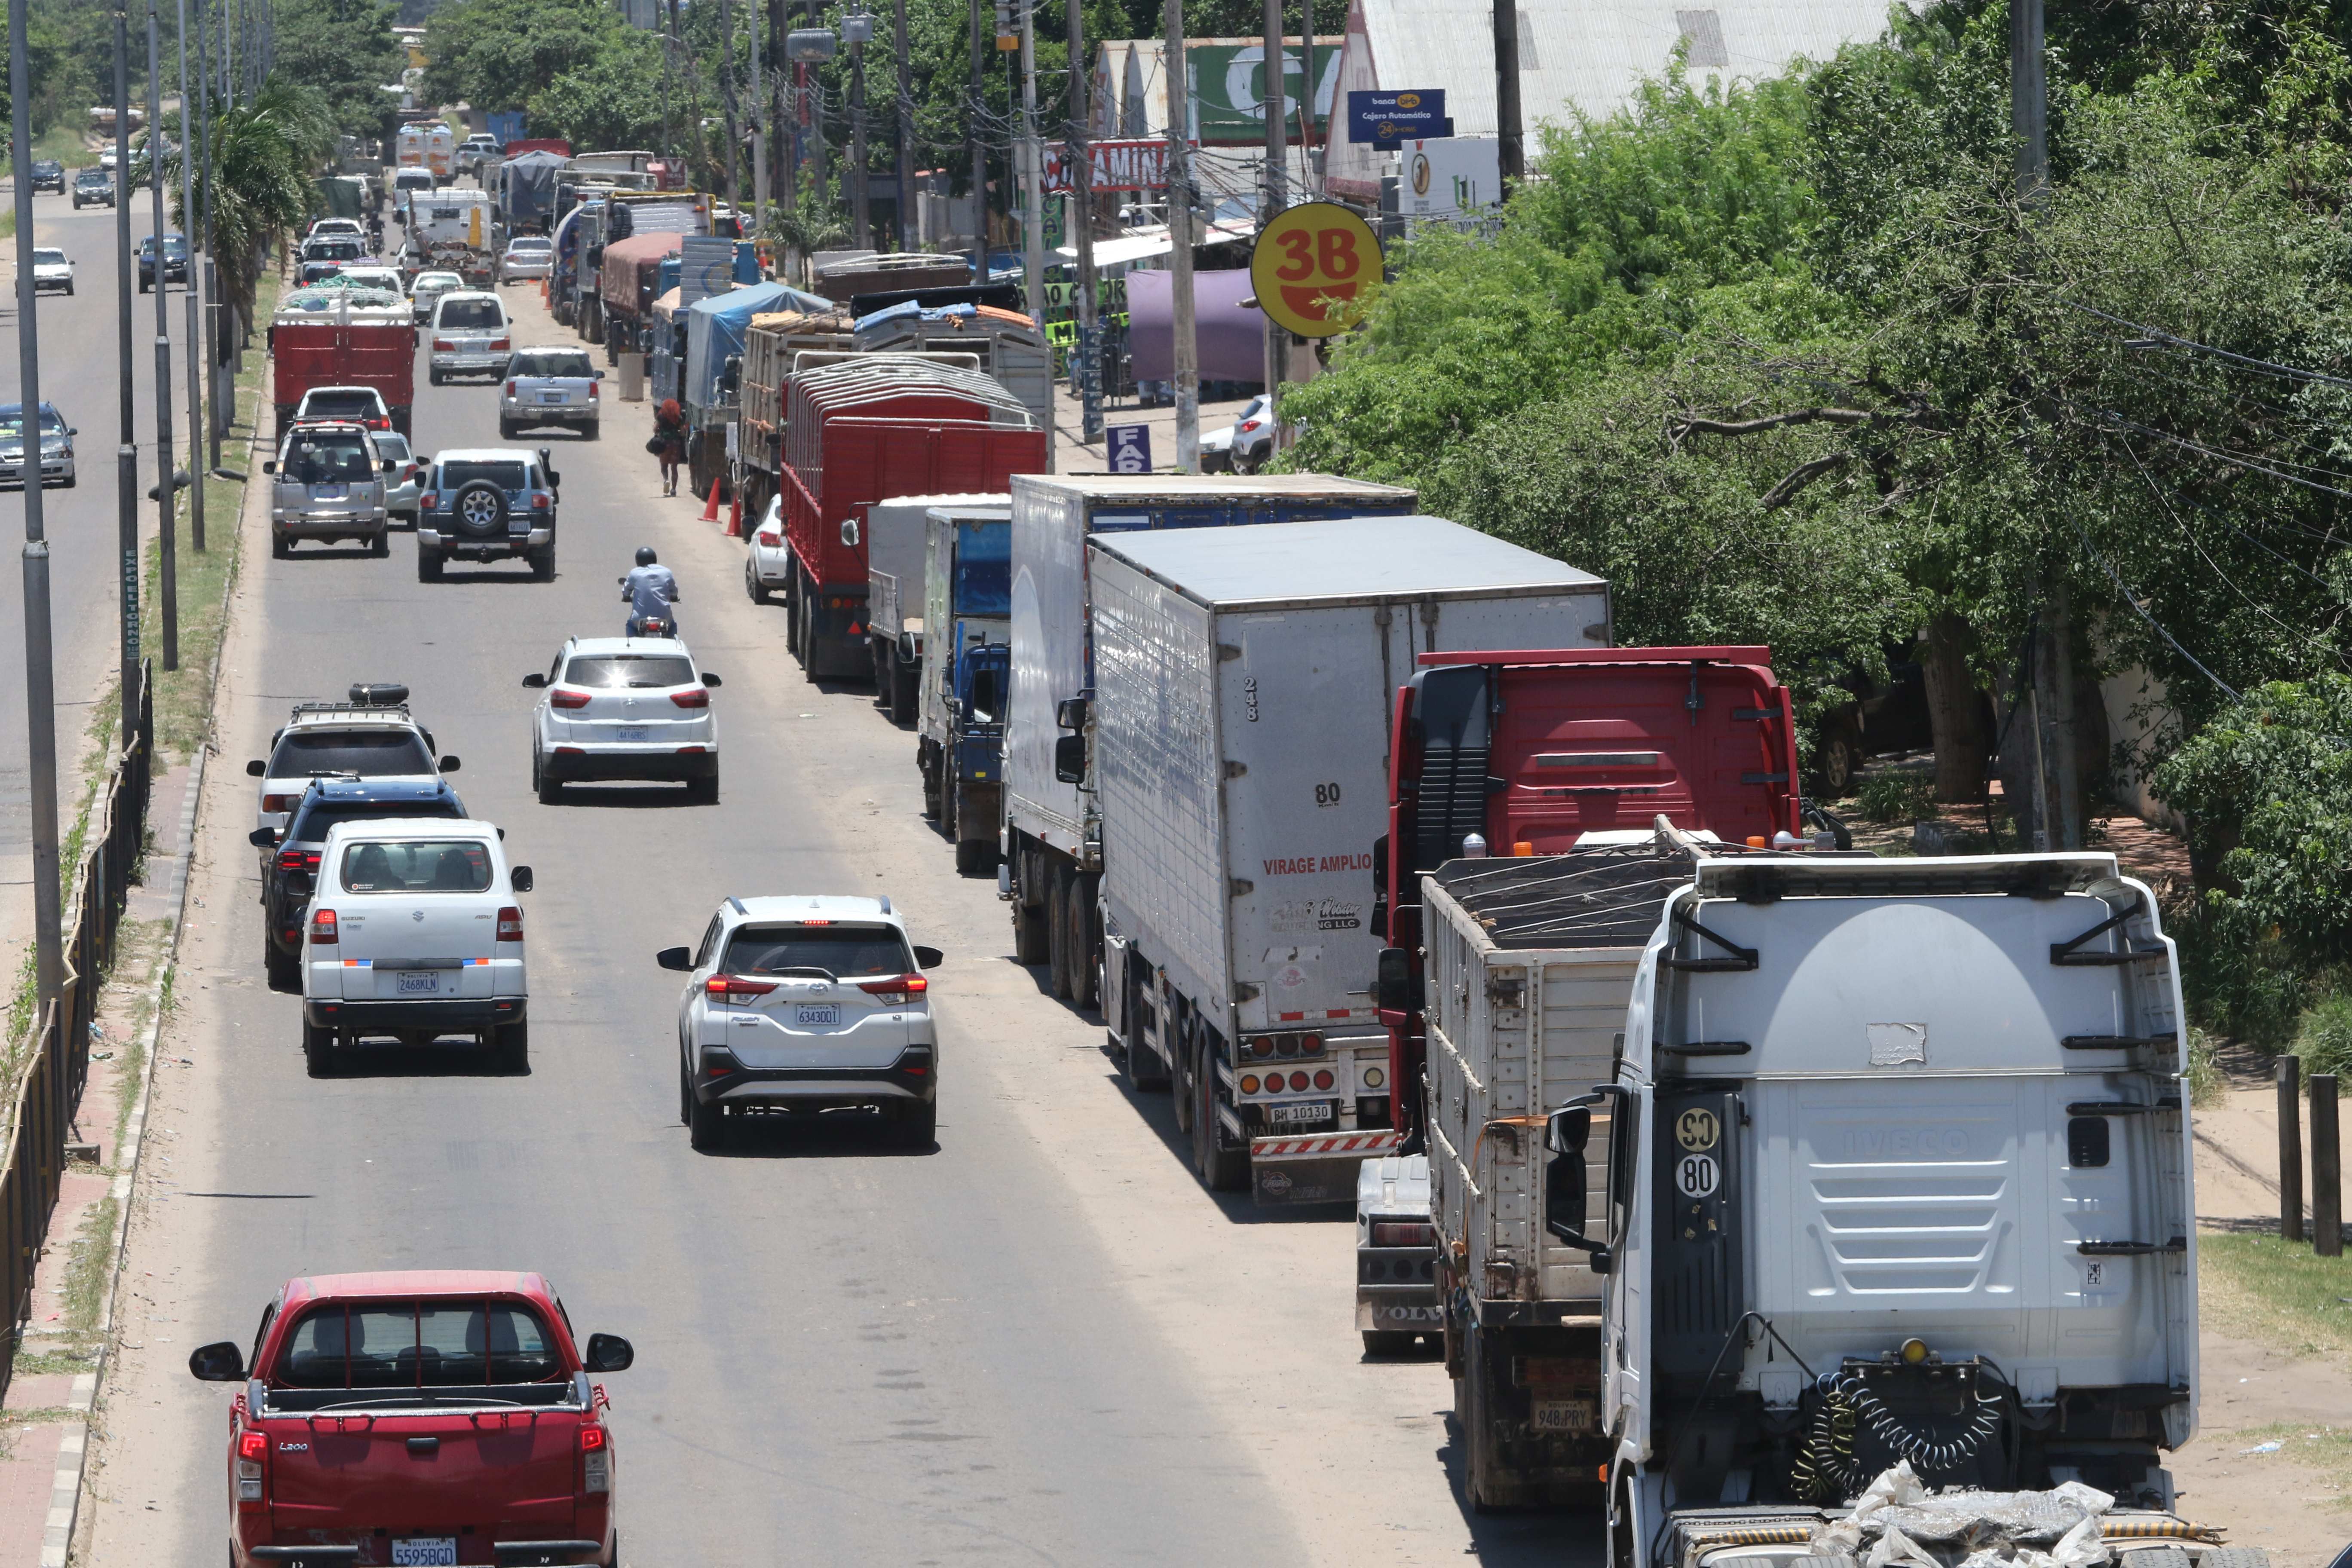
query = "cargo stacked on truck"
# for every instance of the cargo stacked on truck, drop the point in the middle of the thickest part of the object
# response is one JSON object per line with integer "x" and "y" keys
{"x": 337, "y": 334}
{"x": 867, "y": 428}
{"x": 1893, "y": 1166}
{"x": 847, "y": 277}
{"x": 1241, "y": 677}
{"x": 451, "y": 231}
{"x": 524, "y": 188}
{"x": 623, "y": 218}
{"x": 630, "y": 275}
{"x": 1051, "y": 838}
{"x": 1007, "y": 345}
{"x": 967, "y": 672}
{"x": 772, "y": 343}
{"x": 710, "y": 381}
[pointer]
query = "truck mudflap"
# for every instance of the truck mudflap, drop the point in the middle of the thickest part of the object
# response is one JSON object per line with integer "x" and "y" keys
{"x": 1314, "y": 1168}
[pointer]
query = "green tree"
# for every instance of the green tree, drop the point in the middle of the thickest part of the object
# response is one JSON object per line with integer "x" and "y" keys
{"x": 614, "y": 100}
{"x": 345, "y": 50}
{"x": 495, "y": 54}
{"x": 258, "y": 181}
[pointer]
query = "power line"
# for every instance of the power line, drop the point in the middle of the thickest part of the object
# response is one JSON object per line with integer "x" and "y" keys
{"x": 2268, "y": 367}
{"x": 2154, "y": 625}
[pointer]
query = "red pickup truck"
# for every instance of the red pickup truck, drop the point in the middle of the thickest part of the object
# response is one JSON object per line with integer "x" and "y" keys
{"x": 431, "y": 1416}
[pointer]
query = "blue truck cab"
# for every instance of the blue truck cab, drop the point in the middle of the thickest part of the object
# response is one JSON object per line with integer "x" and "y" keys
{"x": 967, "y": 674}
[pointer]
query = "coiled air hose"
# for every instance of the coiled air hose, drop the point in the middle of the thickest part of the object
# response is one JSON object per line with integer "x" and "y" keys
{"x": 1827, "y": 1460}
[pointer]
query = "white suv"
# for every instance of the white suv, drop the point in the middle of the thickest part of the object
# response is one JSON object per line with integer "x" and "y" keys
{"x": 413, "y": 932}
{"x": 805, "y": 1003}
{"x": 623, "y": 708}
{"x": 470, "y": 335}
{"x": 369, "y": 737}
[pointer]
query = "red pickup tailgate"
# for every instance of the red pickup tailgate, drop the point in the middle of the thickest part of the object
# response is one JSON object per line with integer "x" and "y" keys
{"x": 485, "y": 1474}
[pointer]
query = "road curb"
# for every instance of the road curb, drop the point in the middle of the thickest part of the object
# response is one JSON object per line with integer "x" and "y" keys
{"x": 68, "y": 1484}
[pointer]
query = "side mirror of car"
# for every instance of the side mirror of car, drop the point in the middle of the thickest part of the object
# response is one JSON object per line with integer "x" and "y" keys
{"x": 1070, "y": 759}
{"x": 609, "y": 1353}
{"x": 256, "y": 769}
{"x": 520, "y": 878}
{"x": 223, "y": 1362}
{"x": 554, "y": 480}
{"x": 450, "y": 765}
{"x": 73, "y": 429}
{"x": 269, "y": 467}
{"x": 535, "y": 680}
{"x": 928, "y": 957}
{"x": 711, "y": 680}
{"x": 387, "y": 466}
{"x": 677, "y": 958}
{"x": 262, "y": 838}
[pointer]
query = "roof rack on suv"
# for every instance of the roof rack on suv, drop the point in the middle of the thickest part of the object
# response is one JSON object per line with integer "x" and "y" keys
{"x": 378, "y": 697}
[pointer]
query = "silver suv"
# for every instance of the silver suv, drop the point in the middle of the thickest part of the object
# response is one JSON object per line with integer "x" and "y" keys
{"x": 551, "y": 387}
{"x": 330, "y": 487}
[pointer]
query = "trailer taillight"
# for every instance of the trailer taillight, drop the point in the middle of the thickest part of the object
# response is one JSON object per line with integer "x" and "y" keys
{"x": 1399, "y": 1233}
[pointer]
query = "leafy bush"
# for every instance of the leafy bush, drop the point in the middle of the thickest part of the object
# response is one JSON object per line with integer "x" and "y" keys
{"x": 1895, "y": 797}
{"x": 2323, "y": 1037}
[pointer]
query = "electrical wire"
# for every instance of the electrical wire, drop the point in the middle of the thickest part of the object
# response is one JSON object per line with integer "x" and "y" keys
{"x": 2268, "y": 367}
{"x": 2258, "y": 608}
{"x": 2154, "y": 625}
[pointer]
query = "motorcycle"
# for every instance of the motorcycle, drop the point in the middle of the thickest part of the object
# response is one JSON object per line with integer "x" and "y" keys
{"x": 646, "y": 625}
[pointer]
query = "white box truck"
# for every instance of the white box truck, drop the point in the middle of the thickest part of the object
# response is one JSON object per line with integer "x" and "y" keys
{"x": 1050, "y": 849}
{"x": 1244, "y": 680}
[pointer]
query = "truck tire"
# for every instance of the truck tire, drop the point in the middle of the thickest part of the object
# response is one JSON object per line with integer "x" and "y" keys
{"x": 319, "y": 1051}
{"x": 2234, "y": 1557}
{"x": 973, "y": 857}
{"x": 1085, "y": 961}
{"x": 904, "y": 692}
{"x": 512, "y": 1043}
{"x": 1184, "y": 1101}
{"x": 927, "y": 764}
{"x": 1057, "y": 930}
{"x": 1223, "y": 1169}
{"x": 1484, "y": 1486}
{"x": 1145, "y": 1071}
{"x": 1029, "y": 945}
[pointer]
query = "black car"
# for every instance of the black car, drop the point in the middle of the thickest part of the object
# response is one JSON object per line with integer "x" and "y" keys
{"x": 293, "y": 867}
{"x": 176, "y": 260}
{"x": 48, "y": 174}
{"x": 93, "y": 186}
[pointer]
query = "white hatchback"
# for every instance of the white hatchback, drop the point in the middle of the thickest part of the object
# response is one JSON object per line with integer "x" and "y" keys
{"x": 768, "y": 564}
{"x": 470, "y": 335}
{"x": 623, "y": 708}
{"x": 413, "y": 932}
{"x": 805, "y": 1003}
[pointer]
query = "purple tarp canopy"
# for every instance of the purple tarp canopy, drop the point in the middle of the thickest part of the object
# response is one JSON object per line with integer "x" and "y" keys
{"x": 1232, "y": 339}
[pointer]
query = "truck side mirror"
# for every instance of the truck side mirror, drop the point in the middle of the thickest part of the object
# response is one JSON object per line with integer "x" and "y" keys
{"x": 1397, "y": 985}
{"x": 1565, "y": 1135}
{"x": 223, "y": 1362}
{"x": 1070, "y": 713}
{"x": 1070, "y": 759}
{"x": 849, "y": 531}
{"x": 609, "y": 1353}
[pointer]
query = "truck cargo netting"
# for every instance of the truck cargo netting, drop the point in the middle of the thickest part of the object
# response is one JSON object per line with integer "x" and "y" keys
{"x": 1606, "y": 895}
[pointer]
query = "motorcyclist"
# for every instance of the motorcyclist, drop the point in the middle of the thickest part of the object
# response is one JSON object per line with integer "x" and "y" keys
{"x": 651, "y": 591}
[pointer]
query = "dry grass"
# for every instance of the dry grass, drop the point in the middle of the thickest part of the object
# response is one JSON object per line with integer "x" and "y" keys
{"x": 2280, "y": 1293}
{"x": 2327, "y": 1451}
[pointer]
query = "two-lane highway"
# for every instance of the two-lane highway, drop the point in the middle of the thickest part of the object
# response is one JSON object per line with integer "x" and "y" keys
{"x": 1040, "y": 1342}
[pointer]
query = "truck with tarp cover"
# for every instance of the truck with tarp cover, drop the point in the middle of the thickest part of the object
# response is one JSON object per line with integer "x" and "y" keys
{"x": 524, "y": 185}
{"x": 771, "y": 341}
{"x": 630, "y": 284}
{"x": 616, "y": 215}
{"x": 711, "y": 376}
{"x": 1008, "y": 345}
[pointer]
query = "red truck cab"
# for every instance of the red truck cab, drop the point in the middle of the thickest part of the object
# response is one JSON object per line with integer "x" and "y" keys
{"x": 427, "y": 1416}
{"x": 1539, "y": 751}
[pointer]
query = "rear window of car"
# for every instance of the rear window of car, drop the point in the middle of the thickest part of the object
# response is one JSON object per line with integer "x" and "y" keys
{"x": 310, "y": 826}
{"x": 338, "y": 457}
{"x": 550, "y": 361}
{"x": 471, "y": 313}
{"x": 418, "y": 1345}
{"x": 370, "y": 753}
{"x": 628, "y": 671}
{"x": 530, "y": 245}
{"x": 841, "y": 950}
{"x": 506, "y": 476}
{"x": 417, "y": 865}
{"x": 391, "y": 447}
{"x": 53, "y": 258}
{"x": 427, "y": 282}
{"x": 318, "y": 403}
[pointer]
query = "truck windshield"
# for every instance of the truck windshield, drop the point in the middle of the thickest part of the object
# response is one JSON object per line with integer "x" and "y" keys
{"x": 842, "y": 951}
{"x": 417, "y": 865}
{"x": 311, "y": 826}
{"x": 370, "y": 753}
{"x": 418, "y": 1345}
{"x": 614, "y": 672}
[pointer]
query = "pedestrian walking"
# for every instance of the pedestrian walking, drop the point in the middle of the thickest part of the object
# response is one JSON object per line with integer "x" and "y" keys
{"x": 668, "y": 443}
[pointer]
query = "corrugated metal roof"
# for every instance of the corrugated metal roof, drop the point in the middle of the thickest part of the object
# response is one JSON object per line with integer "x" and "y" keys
{"x": 1338, "y": 558}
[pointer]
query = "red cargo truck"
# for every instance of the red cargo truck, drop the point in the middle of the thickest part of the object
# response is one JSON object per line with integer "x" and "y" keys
{"x": 627, "y": 282}
{"x": 1539, "y": 752}
{"x": 865, "y": 429}
{"x": 343, "y": 343}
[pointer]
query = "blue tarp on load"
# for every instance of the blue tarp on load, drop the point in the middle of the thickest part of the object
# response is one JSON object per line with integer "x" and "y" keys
{"x": 714, "y": 334}
{"x": 908, "y": 310}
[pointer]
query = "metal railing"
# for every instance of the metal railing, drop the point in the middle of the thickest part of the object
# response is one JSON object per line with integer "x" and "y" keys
{"x": 53, "y": 1061}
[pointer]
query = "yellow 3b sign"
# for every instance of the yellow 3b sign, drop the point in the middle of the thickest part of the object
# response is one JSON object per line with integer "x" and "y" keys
{"x": 1311, "y": 265}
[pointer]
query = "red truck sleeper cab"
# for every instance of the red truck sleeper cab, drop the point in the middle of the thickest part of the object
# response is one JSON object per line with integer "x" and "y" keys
{"x": 433, "y": 1416}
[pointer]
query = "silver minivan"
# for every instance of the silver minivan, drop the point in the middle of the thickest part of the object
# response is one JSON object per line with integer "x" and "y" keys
{"x": 329, "y": 486}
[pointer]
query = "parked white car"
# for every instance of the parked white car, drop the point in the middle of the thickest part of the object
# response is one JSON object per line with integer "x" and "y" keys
{"x": 370, "y": 737}
{"x": 470, "y": 335}
{"x": 413, "y": 932}
{"x": 527, "y": 256}
{"x": 1243, "y": 446}
{"x": 623, "y": 708}
{"x": 767, "y": 565}
{"x": 425, "y": 294}
{"x": 52, "y": 269}
{"x": 555, "y": 386}
{"x": 805, "y": 1003}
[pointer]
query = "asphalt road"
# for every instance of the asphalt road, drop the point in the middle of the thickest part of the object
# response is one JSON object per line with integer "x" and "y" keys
{"x": 79, "y": 360}
{"x": 1040, "y": 1342}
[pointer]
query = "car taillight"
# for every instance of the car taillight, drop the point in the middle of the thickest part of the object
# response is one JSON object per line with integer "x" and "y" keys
{"x": 1249, "y": 425}
{"x": 1323, "y": 1079}
{"x": 298, "y": 859}
{"x": 277, "y": 803}
{"x": 509, "y": 924}
{"x": 695, "y": 696}
{"x": 322, "y": 928}
{"x": 595, "y": 390}
{"x": 428, "y": 501}
{"x": 499, "y": 345}
{"x": 511, "y": 389}
{"x": 896, "y": 988}
{"x": 1399, "y": 1232}
{"x": 250, "y": 1447}
{"x": 596, "y": 1459}
{"x": 562, "y": 697}
{"x": 771, "y": 540}
{"x": 379, "y": 423}
{"x": 735, "y": 985}
{"x": 444, "y": 346}
{"x": 542, "y": 503}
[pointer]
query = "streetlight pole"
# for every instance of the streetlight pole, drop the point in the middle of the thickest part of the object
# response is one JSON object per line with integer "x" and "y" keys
{"x": 1186, "y": 348}
{"x": 196, "y": 274}
{"x": 1078, "y": 159}
{"x": 213, "y": 427}
{"x": 1032, "y": 194}
{"x": 126, "y": 450}
{"x": 40, "y": 691}
{"x": 166, "y": 501}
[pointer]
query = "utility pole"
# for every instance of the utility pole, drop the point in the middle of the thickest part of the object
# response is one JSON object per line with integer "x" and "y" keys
{"x": 1277, "y": 197}
{"x": 1079, "y": 161}
{"x": 2029, "y": 98}
{"x": 727, "y": 99}
{"x": 217, "y": 425}
{"x": 196, "y": 275}
{"x": 1509, "y": 135}
{"x": 760, "y": 122}
{"x": 126, "y": 450}
{"x": 861, "y": 210}
{"x": 910, "y": 231}
{"x": 1311, "y": 178}
{"x": 1187, "y": 369}
{"x": 1032, "y": 202}
{"x": 166, "y": 502}
{"x": 40, "y": 690}
{"x": 979, "y": 158}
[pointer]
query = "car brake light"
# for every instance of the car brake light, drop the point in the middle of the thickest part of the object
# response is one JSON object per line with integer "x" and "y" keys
{"x": 511, "y": 389}
{"x": 595, "y": 391}
{"x": 252, "y": 1445}
{"x": 379, "y": 423}
{"x": 509, "y": 924}
{"x": 498, "y": 345}
{"x": 322, "y": 928}
{"x": 592, "y": 1439}
{"x": 896, "y": 988}
{"x": 1249, "y": 425}
{"x": 693, "y": 697}
{"x": 444, "y": 346}
{"x": 1397, "y": 1233}
{"x": 428, "y": 501}
{"x": 596, "y": 1460}
{"x": 298, "y": 859}
{"x": 277, "y": 803}
{"x": 771, "y": 540}
{"x": 735, "y": 985}
{"x": 541, "y": 503}
{"x": 562, "y": 697}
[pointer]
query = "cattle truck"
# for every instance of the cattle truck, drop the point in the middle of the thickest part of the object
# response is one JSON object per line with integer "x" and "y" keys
{"x": 1892, "y": 1169}
{"x": 1049, "y": 834}
{"x": 966, "y": 672}
{"x": 1242, "y": 681}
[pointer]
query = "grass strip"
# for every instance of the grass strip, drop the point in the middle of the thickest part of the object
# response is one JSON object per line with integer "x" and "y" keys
{"x": 2325, "y": 1449}
{"x": 89, "y": 1263}
{"x": 2281, "y": 1293}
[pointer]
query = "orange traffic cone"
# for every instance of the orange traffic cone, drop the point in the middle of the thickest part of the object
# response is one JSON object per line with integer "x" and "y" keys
{"x": 710, "y": 508}
{"x": 735, "y": 516}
